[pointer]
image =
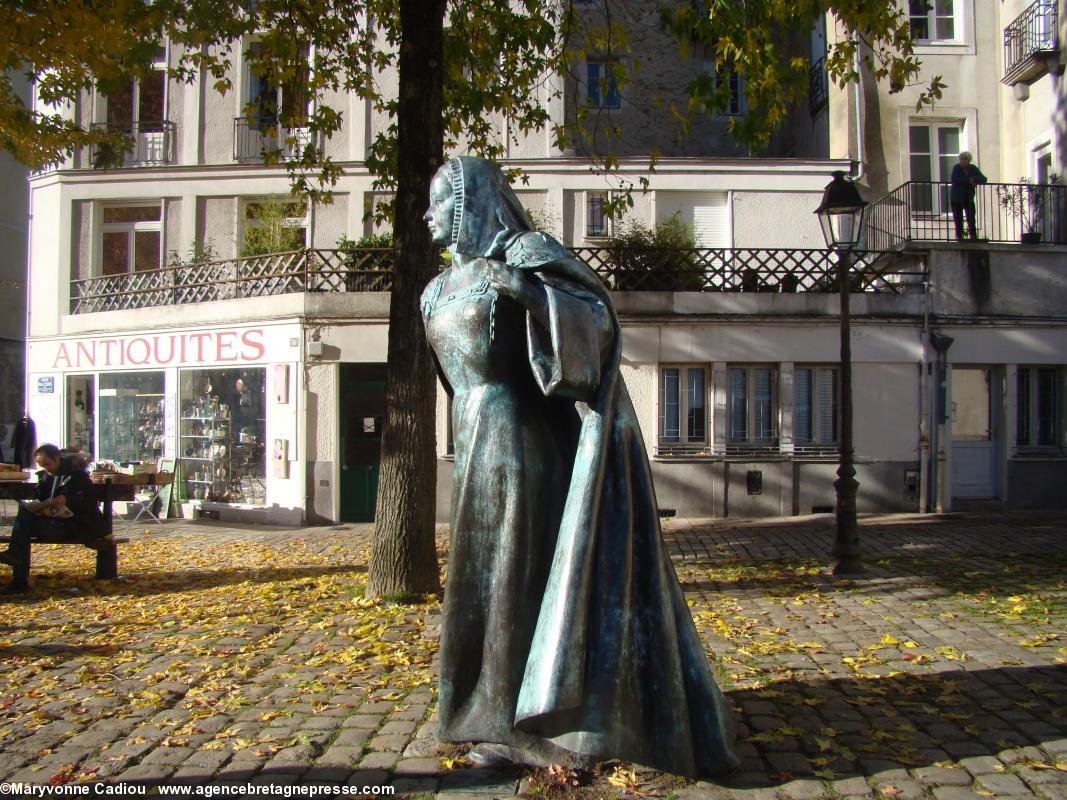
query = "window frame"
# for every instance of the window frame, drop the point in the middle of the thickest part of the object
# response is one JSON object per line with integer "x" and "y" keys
{"x": 1031, "y": 373}
{"x": 287, "y": 222}
{"x": 258, "y": 121}
{"x": 752, "y": 443}
{"x": 687, "y": 444}
{"x": 131, "y": 229}
{"x": 588, "y": 197}
{"x": 611, "y": 85}
{"x": 818, "y": 443}
{"x": 931, "y": 17}
{"x": 939, "y": 204}
{"x": 737, "y": 93}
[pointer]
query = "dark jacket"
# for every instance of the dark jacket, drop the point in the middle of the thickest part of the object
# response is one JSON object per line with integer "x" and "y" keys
{"x": 72, "y": 482}
{"x": 963, "y": 189}
{"x": 24, "y": 442}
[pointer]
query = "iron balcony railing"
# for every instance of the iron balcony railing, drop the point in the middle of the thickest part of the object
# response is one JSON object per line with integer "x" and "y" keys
{"x": 818, "y": 93}
{"x": 921, "y": 211}
{"x": 1028, "y": 41}
{"x": 254, "y": 138}
{"x": 370, "y": 270}
{"x": 148, "y": 144}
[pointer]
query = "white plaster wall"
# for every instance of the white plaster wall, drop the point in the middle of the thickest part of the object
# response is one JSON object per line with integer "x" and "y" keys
{"x": 641, "y": 382}
{"x": 776, "y": 219}
{"x": 331, "y": 221}
{"x": 886, "y": 411}
{"x": 173, "y": 238}
{"x": 219, "y": 111}
{"x": 322, "y": 411}
{"x": 732, "y": 341}
{"x": 50, "y": 246}
{"x": 1016, "y": 344}
{"x": 283, "y": 422}
{"x": 217, "y": 218}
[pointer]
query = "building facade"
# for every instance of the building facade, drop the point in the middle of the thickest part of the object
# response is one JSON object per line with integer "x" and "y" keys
{"x": 184, "y": 307}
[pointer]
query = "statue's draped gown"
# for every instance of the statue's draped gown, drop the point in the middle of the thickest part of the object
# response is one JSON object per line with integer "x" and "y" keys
{"x": 564, "y": 625}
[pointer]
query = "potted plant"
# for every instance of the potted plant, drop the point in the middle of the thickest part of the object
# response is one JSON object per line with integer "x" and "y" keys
{"x": 659, "y": 259}
{"x": 1027, "y": 202}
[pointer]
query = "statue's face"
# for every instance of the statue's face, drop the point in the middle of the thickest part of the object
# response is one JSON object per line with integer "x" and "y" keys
{"x": 442, "y": 205}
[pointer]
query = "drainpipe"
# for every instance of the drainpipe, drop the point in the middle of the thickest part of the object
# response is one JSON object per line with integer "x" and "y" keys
{"x": 860, "y": 169}
{"x": 924, "y": 400}
{"x": 941, "y": 344}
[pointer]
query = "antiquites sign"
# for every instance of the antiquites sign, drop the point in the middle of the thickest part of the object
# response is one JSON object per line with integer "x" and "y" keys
{"x": 252, "y": 345}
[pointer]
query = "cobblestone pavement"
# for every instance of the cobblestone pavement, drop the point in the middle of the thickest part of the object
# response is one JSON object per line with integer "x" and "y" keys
{"x": 940, "y": 673}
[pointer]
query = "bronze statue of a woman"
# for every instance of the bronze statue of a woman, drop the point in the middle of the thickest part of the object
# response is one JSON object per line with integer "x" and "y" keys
{"x": 565, "y": 635}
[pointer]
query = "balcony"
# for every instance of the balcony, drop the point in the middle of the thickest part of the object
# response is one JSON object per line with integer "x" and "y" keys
{"x": 147, "y": 144}
{"x": 254, "y": 138}
{"x": 1005, "y": 213}
{"x": 1031, "y": 47}
{"x": 370, "y": 270}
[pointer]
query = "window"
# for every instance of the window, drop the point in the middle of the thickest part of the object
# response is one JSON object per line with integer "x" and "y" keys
{"x": 751, "y": 408}
{"x": 271, "y": 104}
{"x": 274, "y": 225}
{"x": 131, "y": 239}
{"x": 729, "y": 78}
{"x": 933, "y": 20}
{"x": 601, "y": 90}
{"x": 139, "y": 105}
{"x": 223, "y": 434}
{"x": 683, "y": 408}
{"x": 596, "y": 222}
{"x": 131, "y": 416}
{"x": 1039, "y": 406}
{"x": 815, "y": 413}
{"x": 933, "y": 150}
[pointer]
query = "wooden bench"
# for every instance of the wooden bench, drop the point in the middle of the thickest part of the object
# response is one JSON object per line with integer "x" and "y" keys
{"x": 107, "y": 555}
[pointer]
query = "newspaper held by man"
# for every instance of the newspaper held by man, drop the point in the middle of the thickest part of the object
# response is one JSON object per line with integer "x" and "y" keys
{"x": 43, "y": 509}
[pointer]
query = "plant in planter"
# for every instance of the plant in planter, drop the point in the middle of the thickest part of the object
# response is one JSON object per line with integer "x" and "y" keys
{"x": 358, "y": 278}
{"x": 1028, "y": 202}
{"x": 660, "y": 259}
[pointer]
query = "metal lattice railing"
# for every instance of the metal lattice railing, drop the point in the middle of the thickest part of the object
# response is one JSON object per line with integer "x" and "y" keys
{"x": 1030, "y": 34}
{"x": 370, "y": 270}
{"x": 921, "y": 211}
{"x": 148, "y": 143}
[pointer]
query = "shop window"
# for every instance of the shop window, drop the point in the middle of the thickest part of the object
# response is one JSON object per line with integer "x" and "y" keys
{"x": 683, "y": 409}
{"x": 1039, "y": 406}
{"x": 81, "y": 414}
{"x": 223, "y": 435}
{"x": 815, "y": 412}
{"x": 601, "y": 89}
{"x": 131, "y": 417}
{"x": 751, "y": 408}
{"x": 131, "y": 237}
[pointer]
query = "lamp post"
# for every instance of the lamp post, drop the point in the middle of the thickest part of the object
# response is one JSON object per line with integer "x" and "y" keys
{"x": 841, "y": 217}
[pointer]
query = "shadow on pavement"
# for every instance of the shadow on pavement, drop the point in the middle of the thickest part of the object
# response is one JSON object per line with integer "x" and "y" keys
{"x": 849, "y": 727}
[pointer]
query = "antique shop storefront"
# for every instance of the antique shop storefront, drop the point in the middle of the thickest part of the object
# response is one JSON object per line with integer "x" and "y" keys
{"x": 224, "y": 402}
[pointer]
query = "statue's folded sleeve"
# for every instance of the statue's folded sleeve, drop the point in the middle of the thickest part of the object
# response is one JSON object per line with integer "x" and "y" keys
{"x": 567, "y": 357}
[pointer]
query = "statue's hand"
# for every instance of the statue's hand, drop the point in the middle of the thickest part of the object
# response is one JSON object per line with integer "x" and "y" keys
{"x": 509, "y": 281}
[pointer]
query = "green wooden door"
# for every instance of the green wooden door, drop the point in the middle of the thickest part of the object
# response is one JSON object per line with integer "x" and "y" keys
{"x": 362, "y": 410}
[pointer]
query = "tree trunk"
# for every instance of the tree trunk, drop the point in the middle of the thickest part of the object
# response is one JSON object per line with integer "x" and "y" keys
{"x": 403, "y": 553}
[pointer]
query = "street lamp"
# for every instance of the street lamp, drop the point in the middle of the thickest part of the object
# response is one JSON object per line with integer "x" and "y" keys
{"x": 841, "y": 218}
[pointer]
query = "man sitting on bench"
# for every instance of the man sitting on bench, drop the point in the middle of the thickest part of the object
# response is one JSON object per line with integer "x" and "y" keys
{"x": 62, "y": 484}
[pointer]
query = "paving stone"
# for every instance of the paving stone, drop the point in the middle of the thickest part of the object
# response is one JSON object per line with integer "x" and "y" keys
{"x": 955, "y": 793}
{"x": 852, "y": 787}
{"x": 1002, "y": 784}
{"x": 804, "y": 790}
{"x": 943, "y": 776}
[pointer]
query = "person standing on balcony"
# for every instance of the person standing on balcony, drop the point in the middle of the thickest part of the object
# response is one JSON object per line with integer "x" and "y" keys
{"x": 965, "y": 179}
